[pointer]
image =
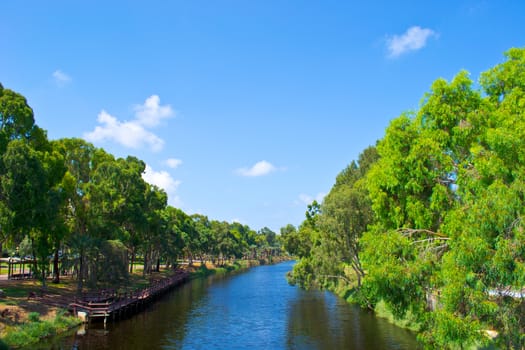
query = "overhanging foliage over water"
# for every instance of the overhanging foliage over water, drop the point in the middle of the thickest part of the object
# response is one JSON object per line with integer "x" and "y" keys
{"x": 430, "y": 220}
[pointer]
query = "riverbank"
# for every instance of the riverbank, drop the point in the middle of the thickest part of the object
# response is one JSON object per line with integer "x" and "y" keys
{"x": 408, "y": 322}
{"x": 204, "y": 270}
{"x": 27, "y": 314}
{"x": 24, "y": 318}
{"x": 347, "y": 289}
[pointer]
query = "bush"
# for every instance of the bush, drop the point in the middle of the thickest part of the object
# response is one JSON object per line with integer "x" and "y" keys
{"x": 35, "y": 329}
{"x": 34, "y": 317}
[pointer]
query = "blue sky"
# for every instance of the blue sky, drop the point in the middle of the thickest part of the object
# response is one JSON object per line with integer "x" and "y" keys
{"x": 243, "y": 110}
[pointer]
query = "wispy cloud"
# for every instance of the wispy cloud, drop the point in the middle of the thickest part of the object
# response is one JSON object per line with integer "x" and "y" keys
{"x": 415, "y": 38}
{"x": 151, "y": 112}
{"x": 61, "y": 78}
{"x": 173, "y": 163}
{"x": 135, "y": 133}
{"x": 164, "y": 180}
{"x": 307, "y": 199}
{"x": 258, "y": 169}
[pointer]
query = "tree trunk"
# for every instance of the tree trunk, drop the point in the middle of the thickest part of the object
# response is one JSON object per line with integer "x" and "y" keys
{"x": 35, "y": 268}
{"x": 80, "y": 284}
{"x": 358, "y": 274}
{"x": 56, "y": 270}
{"x": 145, "y": 261}
{"x": 132, "y": 261}
{"x": 93, "y": 275}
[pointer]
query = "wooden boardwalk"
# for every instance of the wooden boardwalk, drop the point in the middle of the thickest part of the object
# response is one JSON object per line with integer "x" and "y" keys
{"x": 110, "y": 305}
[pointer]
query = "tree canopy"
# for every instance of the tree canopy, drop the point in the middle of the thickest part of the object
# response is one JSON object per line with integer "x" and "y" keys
{"x": 431, "y": 223}
{"x": 69, "y": 201}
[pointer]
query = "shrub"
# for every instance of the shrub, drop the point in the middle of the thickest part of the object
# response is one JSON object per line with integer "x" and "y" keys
{"x": 34, "y": 317}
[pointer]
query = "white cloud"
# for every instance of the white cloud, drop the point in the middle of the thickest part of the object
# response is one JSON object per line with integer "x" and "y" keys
{"x": 413, "y": 39}
{"x": 173, "y": 163}
{"x": 129, "y": 134}
{"x": 135, "y": 133}
{"x": 151, "y": 112}
{"x": 164, "y": 180}
{"x": 307, "y": 199}
{"x": 61, "y": 78}
{"x": 258, "y": 169}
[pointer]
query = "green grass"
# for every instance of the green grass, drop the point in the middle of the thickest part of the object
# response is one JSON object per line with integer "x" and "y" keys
{"x": 17, "y": 291}
{"x": 35, "y": 329}
{"x": 203, "y": 271}
{"x": 8, "y": 302}
{"x": 347, "y": 291}
{"x": 408, "y": 322}
{"x": 14, "y": 291}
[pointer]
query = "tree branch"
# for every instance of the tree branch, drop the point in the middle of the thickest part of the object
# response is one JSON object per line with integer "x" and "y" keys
{"x": 338, "y": 277}
{"x": 412, "y": 231}
{"x": 432, "y": 239}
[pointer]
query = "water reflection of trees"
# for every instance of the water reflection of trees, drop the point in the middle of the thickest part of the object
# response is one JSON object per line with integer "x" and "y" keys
{"x": 160, "y": 325}
{"x": 309, "y": 323}
{"x": 318, "y": 320}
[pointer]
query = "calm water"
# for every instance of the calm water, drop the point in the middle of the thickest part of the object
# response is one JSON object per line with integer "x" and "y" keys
{"x": 251, "y": 310}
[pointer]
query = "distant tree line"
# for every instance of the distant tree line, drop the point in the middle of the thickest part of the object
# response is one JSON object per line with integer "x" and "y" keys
{"x": 78, "y": 206}
{"x": 430, "y": 220}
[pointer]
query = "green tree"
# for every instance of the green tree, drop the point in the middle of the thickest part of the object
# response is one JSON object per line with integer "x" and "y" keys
{"x": 17, "y": 120}
{"x": 346, "y": 214}
{"x": 80, "y": 159}
{"x": 205, "y": 236}
{"x": 328, "y": 241}
{"x": 119, "y": 191}
{"x": 31, "y": 196}
{"x": 173, "y": 234}
{"x": 16, "y": 123}
{"x": 154, "y": 235}
{"x": 448, "y": 197}
{"x": 440, "y": 205}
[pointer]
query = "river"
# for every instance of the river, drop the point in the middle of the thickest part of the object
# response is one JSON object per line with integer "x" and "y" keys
{"x": 256, "y": 309}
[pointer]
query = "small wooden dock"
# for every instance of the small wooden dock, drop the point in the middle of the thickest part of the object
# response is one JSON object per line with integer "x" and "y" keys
{"x": 111, "y": 305}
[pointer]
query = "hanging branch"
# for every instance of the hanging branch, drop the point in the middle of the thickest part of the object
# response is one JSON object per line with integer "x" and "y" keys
{"x": 513, "y": 225}
{"x": 430, "y": 240}
{"x": 344, "y": 278}
{"x": 409, "y": 232}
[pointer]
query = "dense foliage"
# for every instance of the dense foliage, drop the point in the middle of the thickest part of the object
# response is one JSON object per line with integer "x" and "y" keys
{"x": 430, "y": 220}
{"x": 71, "y": 203}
